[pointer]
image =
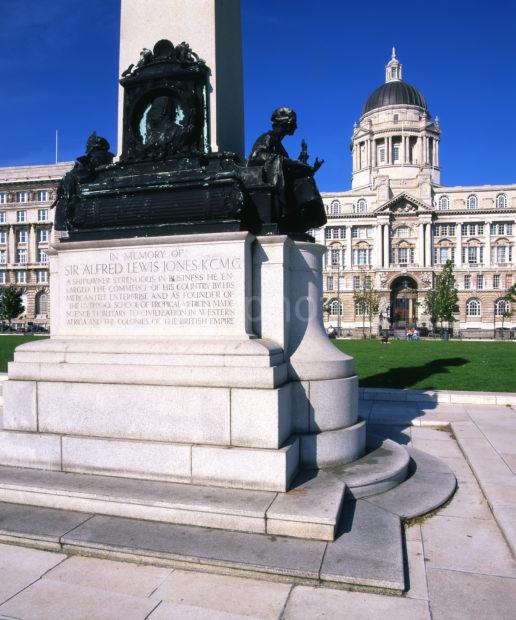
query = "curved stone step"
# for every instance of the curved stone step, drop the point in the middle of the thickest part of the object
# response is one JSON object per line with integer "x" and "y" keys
{"x": 383, "y": 467}
{"x": 430, "y": 484}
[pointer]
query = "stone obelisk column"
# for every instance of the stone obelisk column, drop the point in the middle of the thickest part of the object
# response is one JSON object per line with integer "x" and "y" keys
{"x": 213, "y": 30}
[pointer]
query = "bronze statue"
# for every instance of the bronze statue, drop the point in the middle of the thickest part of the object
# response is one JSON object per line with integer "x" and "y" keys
{"x": 300, "y": 203}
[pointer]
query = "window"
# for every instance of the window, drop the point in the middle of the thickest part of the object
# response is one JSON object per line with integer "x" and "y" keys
{"x": 3, "y": 257}
{"x": 335, "y": 207}
{"x": 360, "y": 308}
{"x": 480, "y": 282}
{"x": 342, "y": 283}
{"x": 21, "y": 216}
{"x": 402, "y": 231}
{"x": 501, "y": 307}
{"x": 356, "y": 282}
{"x": 496, "y": 281}
{"x": 335, "y": 307}
{"x": 473, "y": 307}
{"x": 381, "y": 155}
{"x": 329, "y": 283}
{"x": 43, "y": 215}
{"x": 3, "y": 277}
{"x": 3, "y": 199}
{"x": 467, "y": 282}
{"x": 441, "y": 255}
{"x": 362, "y": 232}
{"x": 21, "y": 277}
{"x": 335, "y": 258}
{"x": 472, "y": 230}
{"x": 444, "y": 203}
{"x": 22, "y": 197}
{"x": 42, "y": 256}
{"x": 334, "y": 232}
{"x": 403, "y": 256}
{"x": 42, "y": 276}
{"x": 43, "y": 235}
{"x": 21, "y": 256}
{"x": 396, "y": 153}
{"x": 41, "y": 303}
{"x": 361, "y": 206}
{"x": 42, "y": 195}
{"x": 501, "y": 254}
{"x": 501, "y": 201}
{"x": 3, "y": 237}
{"x": 473, "y": 255}
{"x": 368, "y": 283}
{"x": 501, "y": 228}
{"x": 361, "y": 256}
{"x": 396, "y": 116}
{"x": 3, "y": 217}
{"x": 444, "y": 230}
{"x": 21, "y": 236}
{"x": 472, "y": 202}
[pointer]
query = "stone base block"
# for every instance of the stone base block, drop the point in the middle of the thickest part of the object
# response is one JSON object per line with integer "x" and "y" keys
{"x": 331, "y": 448}
{"x": 37, "y": 450}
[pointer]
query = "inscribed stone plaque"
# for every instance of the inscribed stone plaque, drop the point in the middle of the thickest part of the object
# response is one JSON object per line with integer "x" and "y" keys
{"x": 160, "y": 289}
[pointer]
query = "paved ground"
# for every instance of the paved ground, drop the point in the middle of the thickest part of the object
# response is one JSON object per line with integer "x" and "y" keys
{"x": 460, "y": 564}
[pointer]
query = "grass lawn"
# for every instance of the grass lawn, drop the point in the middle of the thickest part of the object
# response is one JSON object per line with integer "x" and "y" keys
{"x": 425, "y": 364}
{"x": 7, "y": 346}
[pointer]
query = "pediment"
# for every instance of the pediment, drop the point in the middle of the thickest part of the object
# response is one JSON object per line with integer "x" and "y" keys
{"x": 404, "y": 204}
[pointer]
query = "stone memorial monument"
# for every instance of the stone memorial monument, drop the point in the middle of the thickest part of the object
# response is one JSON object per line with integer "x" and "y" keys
{"x": 188, "y": 378}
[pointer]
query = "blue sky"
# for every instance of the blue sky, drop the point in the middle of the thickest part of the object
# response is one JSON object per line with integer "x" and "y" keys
{"x": 59, "y": 69}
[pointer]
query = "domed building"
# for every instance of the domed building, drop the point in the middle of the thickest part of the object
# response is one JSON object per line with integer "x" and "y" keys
{"x": 397, "y": 226}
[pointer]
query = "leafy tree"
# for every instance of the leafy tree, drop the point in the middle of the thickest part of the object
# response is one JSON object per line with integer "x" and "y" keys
{"x": 442, "y": 301}
{"x": 11, "y": 304}
{"x": 369, "y": 299}
{"x": 509, "y": 297}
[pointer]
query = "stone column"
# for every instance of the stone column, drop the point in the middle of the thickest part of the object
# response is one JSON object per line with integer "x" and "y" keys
{"x": 348, "y": 247}
{"x": 11, "y": 245}
{"x": 386, "y": 248}
{"x": 458, "y": 245}
{"x": 389, "y": 150}
{"x": 31, "y": 245}
{"x": 377, "y": 248}
{"x": 487, "y": 246}
{"x": 421, "y": 150}
{"x": 213, "y": 30}
{"x": 428, "y": 245}
{"x": 375, "y": 154}
{"x": 421, "y": 244}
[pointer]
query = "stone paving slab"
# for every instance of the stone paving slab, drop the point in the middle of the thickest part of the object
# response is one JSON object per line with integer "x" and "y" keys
{"x": 44, "y": 525}
{"x": 368, "y": 550}
{"x": 438, "y": 396}
{"x": 458, "y": 595}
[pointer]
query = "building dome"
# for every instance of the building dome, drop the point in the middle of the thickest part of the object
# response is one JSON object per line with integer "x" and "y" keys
{"x": 394, "y": 93}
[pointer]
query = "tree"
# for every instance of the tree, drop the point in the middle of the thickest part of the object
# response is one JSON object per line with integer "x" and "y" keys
{"x": 510, "y": 298}
{"x": 442, "y": 301}
{"x": 369, "y": 300}
{"x": 11, "y": 304}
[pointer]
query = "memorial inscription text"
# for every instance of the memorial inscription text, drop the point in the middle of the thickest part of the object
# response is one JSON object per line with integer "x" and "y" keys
{"x": 143, "y": 288}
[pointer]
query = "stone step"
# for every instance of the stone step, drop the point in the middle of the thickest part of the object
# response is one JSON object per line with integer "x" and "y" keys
{"x": 367, "y": 553}
{"x": 311, "y": 509}
{"x": 430, "y": 484}
{"x": 384, "y": 466}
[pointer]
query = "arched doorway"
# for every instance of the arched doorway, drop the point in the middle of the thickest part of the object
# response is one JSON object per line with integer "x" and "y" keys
{"x": 403, "y": 302}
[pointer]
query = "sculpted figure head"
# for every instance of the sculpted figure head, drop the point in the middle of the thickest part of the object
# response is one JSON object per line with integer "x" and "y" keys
{"x": 284, "y": 120}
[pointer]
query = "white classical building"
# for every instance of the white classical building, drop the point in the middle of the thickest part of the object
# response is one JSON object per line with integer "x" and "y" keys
{"x": 26, "y": 231}
{"x": 398, "y": 225}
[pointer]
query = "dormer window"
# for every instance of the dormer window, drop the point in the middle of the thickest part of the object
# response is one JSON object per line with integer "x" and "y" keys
{"x": 396, "y": 118}
{"x": 335, "y": 207}
{"x": 472, "y": 202}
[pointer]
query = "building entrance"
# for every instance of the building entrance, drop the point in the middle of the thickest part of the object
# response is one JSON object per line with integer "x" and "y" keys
{"x": 403, "y": 302}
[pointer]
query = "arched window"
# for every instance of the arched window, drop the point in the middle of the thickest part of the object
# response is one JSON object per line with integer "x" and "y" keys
{"x": 501, "y": 201}
{"x": 335, "y": 307}
{"x": 41, "y": 303}
{"x": 473, "y": 307}
{"x": 335, "y": 207}
{"x": 472, "y": 202}
{"x": 501, "y": 307}
{"x": 360, "y": 308}
{"x": 444, "y": 203}
{"x": 361, "y": 206}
